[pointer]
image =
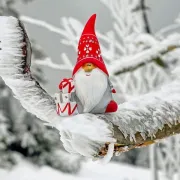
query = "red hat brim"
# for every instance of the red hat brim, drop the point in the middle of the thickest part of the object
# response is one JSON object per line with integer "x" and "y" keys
{"x": 95, "y": 61}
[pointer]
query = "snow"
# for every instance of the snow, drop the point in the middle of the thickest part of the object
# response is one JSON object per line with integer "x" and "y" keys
{"x": 149, "y": 113}
{"x": 89, "y": 171}
{"x": 109, "y": 154}
{"x": 11, "y": 37}
{"x": 133, "y": 61}
{"x": 84, "y": 134}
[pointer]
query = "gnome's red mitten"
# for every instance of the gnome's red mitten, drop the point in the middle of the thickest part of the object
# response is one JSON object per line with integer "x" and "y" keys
{"x": 111, "y": 107}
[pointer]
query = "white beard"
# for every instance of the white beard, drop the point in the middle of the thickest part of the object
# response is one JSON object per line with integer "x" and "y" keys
{"x": 90, "y": 87}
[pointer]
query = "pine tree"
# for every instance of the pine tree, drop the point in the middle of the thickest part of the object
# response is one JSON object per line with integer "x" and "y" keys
{"x": 6, "y": 128}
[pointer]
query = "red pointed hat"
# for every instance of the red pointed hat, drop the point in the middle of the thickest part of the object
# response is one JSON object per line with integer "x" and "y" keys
{"x": 89, "y": 48}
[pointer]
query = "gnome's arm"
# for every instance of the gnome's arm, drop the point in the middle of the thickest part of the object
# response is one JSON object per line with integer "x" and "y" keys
{"x": 111, "y": 86}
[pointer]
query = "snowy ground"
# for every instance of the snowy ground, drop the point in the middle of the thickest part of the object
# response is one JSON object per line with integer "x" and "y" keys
{"x": 90, "y": 171}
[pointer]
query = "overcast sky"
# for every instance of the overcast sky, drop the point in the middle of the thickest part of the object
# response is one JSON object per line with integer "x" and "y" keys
{"x": 161, "y": 13}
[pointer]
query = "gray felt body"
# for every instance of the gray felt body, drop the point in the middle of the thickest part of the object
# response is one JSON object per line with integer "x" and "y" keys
{"x": 101, "y": 106}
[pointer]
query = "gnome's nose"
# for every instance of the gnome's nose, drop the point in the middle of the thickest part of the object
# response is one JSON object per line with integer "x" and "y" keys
{"x": 88, "y": 67}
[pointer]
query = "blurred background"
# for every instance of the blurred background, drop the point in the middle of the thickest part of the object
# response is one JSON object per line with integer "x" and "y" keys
{"x": 30, "y": 150}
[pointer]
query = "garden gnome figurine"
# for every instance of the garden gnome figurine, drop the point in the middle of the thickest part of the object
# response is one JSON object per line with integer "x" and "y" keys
{"x": 93, "y": 89}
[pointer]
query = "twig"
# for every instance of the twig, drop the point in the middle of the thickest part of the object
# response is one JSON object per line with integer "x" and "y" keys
{"x": 146, "y": 56}
{"x": 143, "y": 7}
{"x": 43, "y": 24}
{"x": 48, "y": 63}
{"x": 166, "y": 29}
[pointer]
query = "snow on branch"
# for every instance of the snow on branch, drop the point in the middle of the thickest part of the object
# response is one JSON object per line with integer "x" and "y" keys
{"x": 150, "y": 117}
{"x": 80, "y": 134}
{"x": 133, "y": 62}
{"x": 43, "y": 24}
{"x": 139, "y": 122}
{"x": 128, "y": 23}
{"x": 172, "y": 27}
{"x": 167, "y": 29}
{"x": 67, "y": 65}
{"x": 13, "y": 64}
{"x": 71, "y": 28}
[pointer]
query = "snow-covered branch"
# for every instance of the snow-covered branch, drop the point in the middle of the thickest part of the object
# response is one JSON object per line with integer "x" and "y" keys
{"x": 148, "y": 118}
{"x": 67, "y": 32}
{"x": 43, "y": 24}
{"x": 67, "y": 65}
{"x": 160, "y": 34}
{"x": 138, "y": 122}
{"x": 128, "y": 24}
{"x": 12, "y": 53}
{"x": 133, "y": 62}
{"x": 167, "y": 29}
